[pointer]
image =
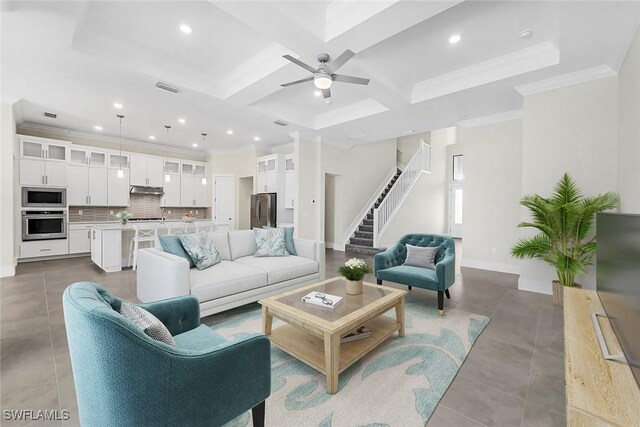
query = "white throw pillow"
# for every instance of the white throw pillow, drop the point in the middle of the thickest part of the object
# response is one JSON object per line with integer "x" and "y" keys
{"x": 146, "y": 321}
{"x": 270, "y": 242}
{"x": 424, "y": 257}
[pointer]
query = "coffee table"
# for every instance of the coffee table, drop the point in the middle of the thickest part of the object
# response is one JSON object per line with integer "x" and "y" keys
{"x": 312, "y": 333}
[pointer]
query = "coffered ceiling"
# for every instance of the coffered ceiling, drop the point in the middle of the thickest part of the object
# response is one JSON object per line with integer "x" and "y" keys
{"x": 78, "y": 58}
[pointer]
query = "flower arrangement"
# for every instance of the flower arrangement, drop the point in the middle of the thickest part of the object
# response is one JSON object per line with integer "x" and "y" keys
{"x": 354, "y": 269}
{"x": 124, "y": 216}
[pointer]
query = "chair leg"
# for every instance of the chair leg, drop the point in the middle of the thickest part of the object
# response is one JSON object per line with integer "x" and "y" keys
{"x": 257, "y": 413}
{"x": 379, "y": 281}
{"x": 409, "y": 287}
{"x": 441, "y": 303}
{"x": 446, "y": 292}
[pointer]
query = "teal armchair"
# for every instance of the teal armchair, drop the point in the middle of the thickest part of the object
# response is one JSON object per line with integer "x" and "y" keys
{"x": 125, "y": 378}
{"x": 388, "y": 265}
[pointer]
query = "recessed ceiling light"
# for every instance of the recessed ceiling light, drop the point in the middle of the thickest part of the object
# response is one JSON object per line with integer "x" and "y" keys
{"x": 151, "y": 137}
{"x": 183, "y": 121}
{"x": 317, "y": 93}
{"x": 454, "y": 38}
{"x": 256, "y": 138}
{"x": 185, "y": 29}
{"x": 117, "y": 105}
{"x": 229, "y": 132}
{"x": 194, "y": 144}
{"x": 97, "y": 127}
{"x": 407, "y": 132}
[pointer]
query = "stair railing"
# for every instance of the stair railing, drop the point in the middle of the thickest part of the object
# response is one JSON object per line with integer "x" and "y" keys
{"x": 382, "y": 215}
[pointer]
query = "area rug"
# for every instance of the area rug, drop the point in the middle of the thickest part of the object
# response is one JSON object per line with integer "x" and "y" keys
{"x": 398, "y": 384}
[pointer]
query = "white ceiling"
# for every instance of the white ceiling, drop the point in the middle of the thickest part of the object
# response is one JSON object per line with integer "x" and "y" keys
{"x": 76, "y": 58}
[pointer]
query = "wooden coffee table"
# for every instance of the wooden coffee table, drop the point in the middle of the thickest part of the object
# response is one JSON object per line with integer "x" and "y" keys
{"x": 312, "y": 334}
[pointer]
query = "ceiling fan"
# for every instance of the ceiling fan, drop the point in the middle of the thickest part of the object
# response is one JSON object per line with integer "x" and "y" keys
{"x": 324, "y": 75}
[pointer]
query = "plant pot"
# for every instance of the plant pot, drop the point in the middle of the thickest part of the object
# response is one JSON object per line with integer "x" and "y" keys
{"x": 558, "y": 292}
{"x": 124, "y": 221}
{"x": 353, "y": 287}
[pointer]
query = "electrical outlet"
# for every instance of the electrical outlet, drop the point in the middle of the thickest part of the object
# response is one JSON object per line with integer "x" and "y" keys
{"x": 169, "y": 212}
{"x": 80, "y": 212}
{"x": 110, "y": 212}
{"x": 196, "y": 212}
{"x": 190, "y": 212}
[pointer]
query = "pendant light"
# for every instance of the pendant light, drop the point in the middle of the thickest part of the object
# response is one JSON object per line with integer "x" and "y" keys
{"x": 167, "y": 177}
{"x": 120, "y": 171}
{"x": 204, "y": 136}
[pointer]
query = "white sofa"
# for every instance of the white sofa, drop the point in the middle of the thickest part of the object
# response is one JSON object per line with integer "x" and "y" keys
{"x": 239, "y": 278}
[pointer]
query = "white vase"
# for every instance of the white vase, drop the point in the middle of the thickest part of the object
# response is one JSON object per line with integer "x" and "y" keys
{"x": 354, "y": 287}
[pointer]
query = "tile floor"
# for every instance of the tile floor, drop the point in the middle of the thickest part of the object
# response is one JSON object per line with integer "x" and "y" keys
{"x": 514, "y": 375}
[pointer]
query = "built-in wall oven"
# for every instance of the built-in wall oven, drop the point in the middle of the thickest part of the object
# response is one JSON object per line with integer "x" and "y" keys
{"x": 44, "y": 225}
{"x": 40, "y": 197}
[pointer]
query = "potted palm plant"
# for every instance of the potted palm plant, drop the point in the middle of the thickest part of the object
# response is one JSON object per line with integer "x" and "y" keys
{"x": 564, "y": 222}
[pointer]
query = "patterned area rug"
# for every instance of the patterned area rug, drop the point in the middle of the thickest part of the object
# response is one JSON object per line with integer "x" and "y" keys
{"x": 398, "y": 384}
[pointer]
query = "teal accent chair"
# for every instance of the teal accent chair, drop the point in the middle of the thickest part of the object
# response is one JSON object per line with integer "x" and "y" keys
{"x": 388, "y": 265}
{"x": 125, "y": 378}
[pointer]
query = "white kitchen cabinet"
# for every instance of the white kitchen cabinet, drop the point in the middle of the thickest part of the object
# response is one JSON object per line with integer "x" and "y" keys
{"x": 268, "y": 172}
{"x": 201, "y": 193}
{"x": 87, "y": 156}
{"x": 118, "y": 161}
{"x": 193, "y": 193}
{"x": 43, "y": 248}
{"x": 42, "y": 173}
{"x": 87, "y": 185}
{"x": 106, "y": 249}
{"x": 171, "y": 196}
{"x": 267, "y": 182}
{"x": 117, "y": 188}
{"x": 289, "y": 181}
{"x": 41, "y": 148}
{"x": 146, "y": 171}
{"x": 79, "y": 239}
{"x": 96, "y": 246}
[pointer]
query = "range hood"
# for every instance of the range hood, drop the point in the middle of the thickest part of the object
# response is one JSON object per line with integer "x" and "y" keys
{"x": 139, "y": 189}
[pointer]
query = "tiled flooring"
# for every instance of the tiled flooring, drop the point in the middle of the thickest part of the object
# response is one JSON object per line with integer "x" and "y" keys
{"x": 513, "y": 376}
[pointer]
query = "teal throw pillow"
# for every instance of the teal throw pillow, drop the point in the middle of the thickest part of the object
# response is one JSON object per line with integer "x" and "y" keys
{"x": 171, "y": 244}
{"x": 200, "y": 248}
{"x": 288, "y": 241}
{"x": 270, "y": 242}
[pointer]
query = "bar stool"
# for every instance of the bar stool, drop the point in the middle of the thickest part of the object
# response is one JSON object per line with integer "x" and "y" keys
{"x": 204, "y": 226}
{"x": 176, "y": 227}
{"x": 143, "y": 233}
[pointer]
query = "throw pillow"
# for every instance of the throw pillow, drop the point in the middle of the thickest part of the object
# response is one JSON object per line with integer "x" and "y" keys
{"x": 288, "y": 241}
{"x": 171, "y": 244}
{"x": 200, "y": 248}
{"x": 146, "y": 321}
{"x": 424, "y": 257}
{"x": 270, "y": 242}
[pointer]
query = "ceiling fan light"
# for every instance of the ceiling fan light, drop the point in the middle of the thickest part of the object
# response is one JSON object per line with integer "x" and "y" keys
{"x": 322, "y": 81}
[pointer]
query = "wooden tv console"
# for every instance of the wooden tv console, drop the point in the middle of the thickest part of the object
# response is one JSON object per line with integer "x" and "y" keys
{"x": 599, "y": 392}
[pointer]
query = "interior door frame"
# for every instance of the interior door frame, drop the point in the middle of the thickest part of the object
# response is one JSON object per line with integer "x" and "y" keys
{"x": 233, "y": 198}
{"x": 453, "y": 232}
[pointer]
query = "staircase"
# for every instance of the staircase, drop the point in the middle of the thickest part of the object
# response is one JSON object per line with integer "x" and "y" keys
{"x": 362, "y": 240}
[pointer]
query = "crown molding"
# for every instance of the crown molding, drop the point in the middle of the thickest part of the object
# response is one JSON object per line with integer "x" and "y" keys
{"x": 492, "y": 118}
{"x": 287, "y": 146}
{"x": 580, "y": 76}
{"x": 241, "y": 150}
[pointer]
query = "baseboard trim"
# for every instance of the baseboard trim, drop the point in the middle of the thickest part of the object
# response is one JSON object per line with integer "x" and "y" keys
{"x": 539, "y": 286}
{"x": 7, "y": 271}
{"x": 491, "y": 266}
{"x": 335, "y": 246}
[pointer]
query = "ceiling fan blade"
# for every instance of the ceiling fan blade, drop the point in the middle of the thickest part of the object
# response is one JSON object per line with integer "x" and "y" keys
{"x": 326, "y": 93}
{"x": 300, "y": 63}
{"x": 339, "y": 61}
{"x": 349, "y": 79}
{"x": 306, "y": 79}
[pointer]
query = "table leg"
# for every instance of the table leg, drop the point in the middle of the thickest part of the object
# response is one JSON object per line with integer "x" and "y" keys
{"x": 400, "y": 316}
{"x": 267, "y": 321}
{"x": 332, "y": 359}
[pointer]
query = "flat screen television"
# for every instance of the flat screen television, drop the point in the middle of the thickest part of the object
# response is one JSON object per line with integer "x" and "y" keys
{"x": 618, "y": 279}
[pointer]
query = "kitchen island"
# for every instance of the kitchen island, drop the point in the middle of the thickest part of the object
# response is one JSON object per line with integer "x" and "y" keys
{"x": 110, "y": 241}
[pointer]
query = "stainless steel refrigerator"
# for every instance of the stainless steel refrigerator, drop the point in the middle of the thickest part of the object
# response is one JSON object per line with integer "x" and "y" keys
{"x": 263, "y": 210}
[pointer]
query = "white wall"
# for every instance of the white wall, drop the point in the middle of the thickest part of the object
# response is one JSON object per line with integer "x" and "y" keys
{"x": 575, "y": 130}
{"x": 308, "y": 207}
{"x": 408, "y": 145}
{"x": 629, "y": 129}
{"x": 7, "y": 208}
{"x": 424, "y": 210}
{"x": 492, "y": 190}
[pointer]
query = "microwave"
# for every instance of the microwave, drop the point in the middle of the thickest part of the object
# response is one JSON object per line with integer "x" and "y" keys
{"x": 44, "y": 225}
{"x": 38, "y": 197}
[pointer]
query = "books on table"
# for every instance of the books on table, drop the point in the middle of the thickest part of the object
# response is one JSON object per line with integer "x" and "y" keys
{"x": 322, "y": 300}
{"x": 361, "y": 333}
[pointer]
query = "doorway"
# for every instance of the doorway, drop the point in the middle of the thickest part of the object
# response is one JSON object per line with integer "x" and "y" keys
{"x": 456, "y": 194}
{"x": 329, "y": 210}
{"x": 245, "y": 189}
{"x": 224, "y": 199}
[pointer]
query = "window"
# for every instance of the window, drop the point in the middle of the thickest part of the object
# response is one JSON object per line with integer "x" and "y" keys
{"x": 458, "y": 170}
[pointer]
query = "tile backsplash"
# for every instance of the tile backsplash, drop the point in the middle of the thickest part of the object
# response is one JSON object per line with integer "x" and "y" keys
{"x": 141, "y": 206}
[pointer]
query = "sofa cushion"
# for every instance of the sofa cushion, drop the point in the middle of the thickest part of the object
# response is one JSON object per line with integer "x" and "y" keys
{"x": 270, "y": 242}
{"x": 171, "y": 243}
{"x": 200, "y": 338}
{"x": 288, "y": 240}
{"x": 409, "y": 275}
{"x": 221, "y": 242}
{"x": 424, "y": 257}
{"x": 223, "y": 279}
{"x": 279, "y": 269}
{"x": 201, "y": 249}
{"x": 242, "y": 243}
